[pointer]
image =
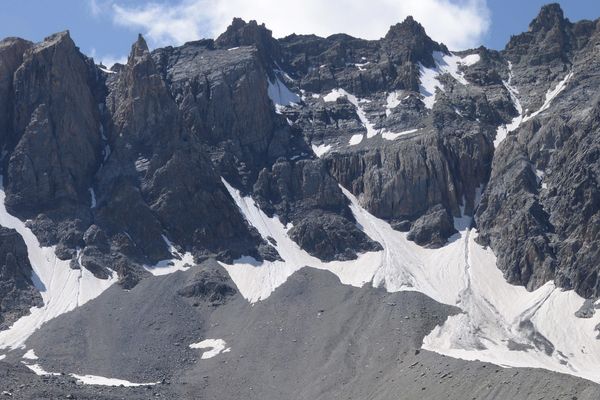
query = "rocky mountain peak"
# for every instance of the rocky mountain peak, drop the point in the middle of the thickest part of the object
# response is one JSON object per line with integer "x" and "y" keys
{"x": 242, "y": 33}
{"x": 58, "y": 44}
{"x": 550, "y": 15}
{"x": 550, "y": 39}
{"x": 138, "y": 49}
{"x": 63, "y": 37}
{"x": 410, "y": 42}
{"x": 405, "y": 28}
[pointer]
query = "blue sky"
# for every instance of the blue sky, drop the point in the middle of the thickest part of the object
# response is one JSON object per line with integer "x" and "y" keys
{"x": 105, "y": 29}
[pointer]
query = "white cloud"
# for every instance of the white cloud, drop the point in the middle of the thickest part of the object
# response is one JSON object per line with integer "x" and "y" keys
{"x": 457, "y": 23}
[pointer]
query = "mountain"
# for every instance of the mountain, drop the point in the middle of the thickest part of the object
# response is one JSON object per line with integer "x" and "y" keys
{"x": 303, "y": 217}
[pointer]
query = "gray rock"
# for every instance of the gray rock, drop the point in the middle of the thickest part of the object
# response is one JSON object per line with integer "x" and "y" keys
{"x": 56, "y": 129}
{"x": 331, "y": 237}
{"x": 17, "y": 291}
{"x": 433, "y": 228}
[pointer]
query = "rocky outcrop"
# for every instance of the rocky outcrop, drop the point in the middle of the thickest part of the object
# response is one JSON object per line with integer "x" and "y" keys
{"x": 433, "y": 228}
{"x": 331, "y": 237}
{"x": 240, "y": 33}
{"x": 212, "y": 89}
{"x": 224, "y": 102}
{"x": 56, "y": 129}
{"x": 169, "y": 177}
{"x": 17, "y": 292}
{"x": 404, "y": 179}
{"x": 209, "y": 285}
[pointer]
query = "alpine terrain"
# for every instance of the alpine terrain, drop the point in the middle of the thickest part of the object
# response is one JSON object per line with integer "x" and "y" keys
{"x": 303, "y": 218}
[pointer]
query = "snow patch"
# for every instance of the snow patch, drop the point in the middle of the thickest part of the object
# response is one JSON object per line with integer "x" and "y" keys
{"x": 92, "y": 198}
{"x": 392, "y": 101}
{"x": 337, "y": 93}
{"x": 102, "y": 381}
{"x": 179, "y": 262}
{"x": 321, "y": 149}
{"x": 355, "y": 139}
{"x": 500, "y": 323}
{"x": 280, "y": 95}
{"x": 2, "y": 356}
{"x": 539, "y": 174}
{"x": 361, "y": 66}
{"x": 62, "y": 288}
{"x": 215, "y": 346}
{"x": 142, "y": 164}
{"x": 106, "y": 70}
{"x": 38, "y": 370}
{"x": 393, "y": 136}
{"x": 88, "y": 379}
{"x": 30, "y": 355}
{"x": 444, "y": 64}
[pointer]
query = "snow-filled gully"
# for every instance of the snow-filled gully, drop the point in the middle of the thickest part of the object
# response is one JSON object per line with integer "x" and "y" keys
{"x": 504, "y": 130}
{"x": 62, "y": 288}
{"x": 500, "y": 323}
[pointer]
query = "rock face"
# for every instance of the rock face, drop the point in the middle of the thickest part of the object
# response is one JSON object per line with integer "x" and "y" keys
{"x": 167, "y": 174}
{"x": 541, "y": 207}
{"x": 11, "y": 57}
{"x": 17, "y": 292}
{"x": 56, "y": 129}
{"x": 143, "y": 165}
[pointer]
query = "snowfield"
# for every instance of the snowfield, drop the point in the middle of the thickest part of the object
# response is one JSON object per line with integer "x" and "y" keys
{"x": 501, "y": 323}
